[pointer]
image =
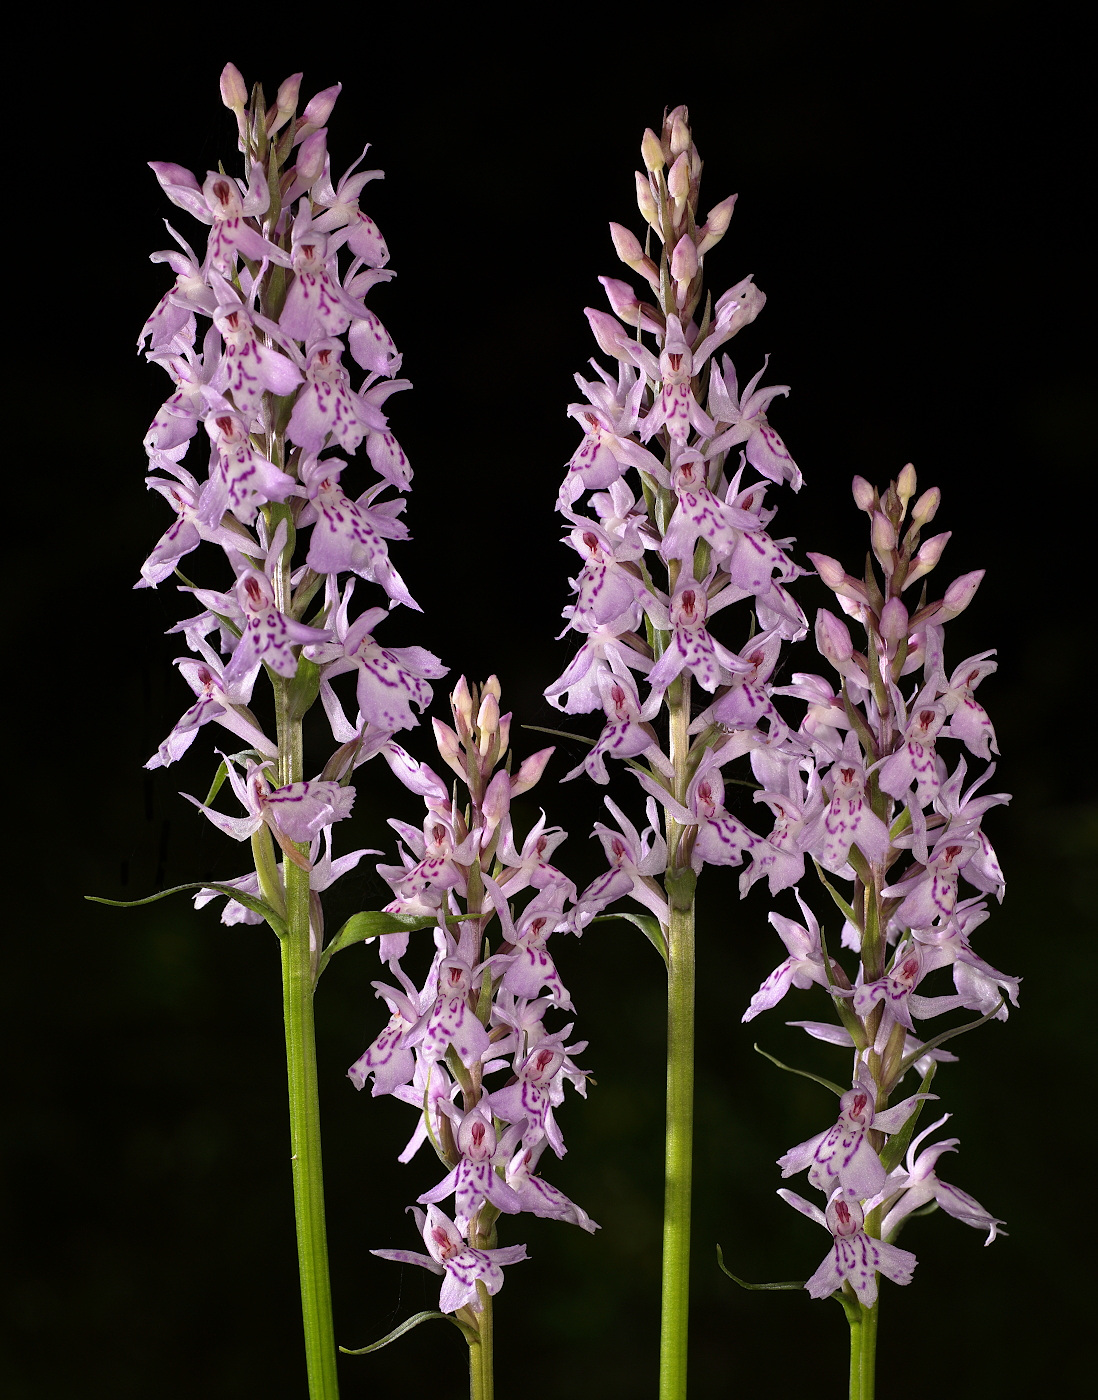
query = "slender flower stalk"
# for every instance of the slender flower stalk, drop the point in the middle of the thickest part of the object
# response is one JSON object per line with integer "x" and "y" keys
{"x": 670, "y": 531}
{"x": 479, "y": 1011}
{"x": 268, "y": 388}
{"x": 884, "y": 809}
{"x": 660, "y": 559}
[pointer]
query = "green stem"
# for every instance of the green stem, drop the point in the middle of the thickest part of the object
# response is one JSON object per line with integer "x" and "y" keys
{"x": 679, "y": 1145}
{"x": 678, "y": 1155}
{"x": 863, "y": 1349}
{"x": 308, "y": 1178}
{"x": 854, "y": 1317}
{"x": 481, "y": 1381}
{"x": 299, "y": 966}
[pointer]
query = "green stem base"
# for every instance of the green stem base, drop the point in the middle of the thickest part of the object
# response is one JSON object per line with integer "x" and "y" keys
{"x": 308, "y": 1176}
{"x": 678, "y": 1158}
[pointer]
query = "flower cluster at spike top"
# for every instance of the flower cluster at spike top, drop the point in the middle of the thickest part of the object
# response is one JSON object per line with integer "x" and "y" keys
{"x": 689, "y": 522}
{"x": 269, "y": 388}
{"x": 858, "y": 788}
{"x": 266, "y": 388}
{"x": 478, "y": 1013}
{"x": 869, "y": 788}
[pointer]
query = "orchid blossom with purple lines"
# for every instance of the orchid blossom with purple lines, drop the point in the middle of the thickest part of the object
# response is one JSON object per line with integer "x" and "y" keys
{"x": 675, "y": 546}
{"x": 286, "y": 488}
{"x": 471, "y": 1048}
{"x": 877, "y": 775}
{"x": 281, "y": 373}
{"x": 675, "y": 465}
{"x": 254, "y": 333}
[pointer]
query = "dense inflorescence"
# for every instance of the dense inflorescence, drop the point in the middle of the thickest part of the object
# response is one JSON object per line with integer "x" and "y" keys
{"x": 266, "y": 388}
{"x": 479, "y": 1012}
{"x": 677, "y": 535}
{"x": 866, "y": 788}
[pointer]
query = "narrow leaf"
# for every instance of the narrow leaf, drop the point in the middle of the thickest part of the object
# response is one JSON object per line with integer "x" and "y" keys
{"x": 249, "y": 901}
{"x": 761, "y": 1287}
{"x": 935, "y": 1041}
{"x": 372, "y": 923}
{"x": 223, "y": 771}
{"x": 892, "y": 1154}
{"x": 648, "y": 924}
{"x": 844, "y": 908}
{"x": 218, "y": 781}
{"x": 304, "y": 688}
{"x": 561, "y": 734}
{"x": 805, "y": 1074}
{"x": 463, "y": 1327}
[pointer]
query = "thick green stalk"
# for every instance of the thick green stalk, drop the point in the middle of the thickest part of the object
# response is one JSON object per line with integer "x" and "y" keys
{"x": 863, "y": 1350}
{"x": 481, "y": 1378}
{"x": 299, "y": 960}
{"x": 678, "y": 1157}
{"x": 679, "y": 1143}
{"x": 308, "y": 1178}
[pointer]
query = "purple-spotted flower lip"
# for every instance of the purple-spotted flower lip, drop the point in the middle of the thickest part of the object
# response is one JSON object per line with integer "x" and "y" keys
{"x": 298, "y": 812}
{"x": 451, "y": 1255}
{"x": 842, "y": 1157}
{"x": 474, "y": 1179}
{"x": 855, "y": 1257}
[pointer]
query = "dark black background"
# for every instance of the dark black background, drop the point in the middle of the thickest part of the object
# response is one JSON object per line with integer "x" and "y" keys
{"x": 911, "y": 200}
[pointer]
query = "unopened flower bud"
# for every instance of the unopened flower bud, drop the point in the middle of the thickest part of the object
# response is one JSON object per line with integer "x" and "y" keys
{"x": 497, "y": 802}
{"x": 833, "y": 639}
{"x": 628, "y": 248}
{"x": 488, "y": 722}
{"x": 835, "y": 577}
{"x": 610, "y": 335}
{"x": 449, "y": 747}
{"x": 531, "y": 771}
{"x": 626, "y": 245}
{"x": 285, "y": 104}
{"x": 882, "y": 535}
{"x": 905, "y": 485}
{"x": 629, "y": 309}
{"x": 234, "y": 91}
{"x": 831, "y": 572}
{"x": 678, "y": 180}
{"x": 684, "y": 260}
{"x": 894, "y": 621}
{"x": 461, "y": 703}
{"x": 646, "y": 202}
{"x": 716, "y": 225}
{"x": 680, "y": 131}
{"x": 652, "y": 152}
{"x": 926, "y": 507}
{"x": 865, "y": 497}
{"x": 317, "y": 112}
{"x": 927, "y": 557}
{"x": 311, "y": 158}
{"x": 623, "y": 299}
{"x": 960, "y": 593}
